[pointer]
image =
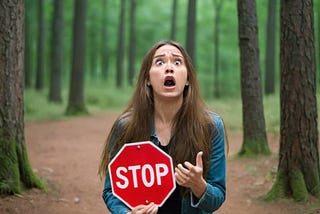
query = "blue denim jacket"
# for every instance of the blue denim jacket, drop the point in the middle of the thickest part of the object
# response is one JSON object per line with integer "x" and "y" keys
{"x": 215, "y": 192}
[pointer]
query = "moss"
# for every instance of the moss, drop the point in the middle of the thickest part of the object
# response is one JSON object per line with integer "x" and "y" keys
{"x": 292, "y": 182}
{"x": 15, "y": 169}
{"x": 298, "y": 186}
{"x": 9, "y": 168}
{"x": 253, "y": 148}
{"x": 76, "y": 110}
{"x": 28, "y": 178}
{"x": 279, "y": 188}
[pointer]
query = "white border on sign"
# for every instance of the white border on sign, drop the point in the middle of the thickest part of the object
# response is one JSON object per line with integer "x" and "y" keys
{"x": 140, "y": 143}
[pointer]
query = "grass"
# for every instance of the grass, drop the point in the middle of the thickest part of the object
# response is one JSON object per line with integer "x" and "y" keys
{"x": 98, "y": 98}
{"x": 231, "y": 111}
{"x": 101, "y": 98}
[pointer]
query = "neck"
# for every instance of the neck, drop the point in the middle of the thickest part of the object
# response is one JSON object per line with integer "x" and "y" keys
{"x": 166, "y": 110}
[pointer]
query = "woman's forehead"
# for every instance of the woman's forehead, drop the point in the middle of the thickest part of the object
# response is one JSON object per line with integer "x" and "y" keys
{"x": 168, "y": 50}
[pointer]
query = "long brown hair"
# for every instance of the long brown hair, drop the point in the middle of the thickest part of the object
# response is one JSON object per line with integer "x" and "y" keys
{"x": 192, "y": 129}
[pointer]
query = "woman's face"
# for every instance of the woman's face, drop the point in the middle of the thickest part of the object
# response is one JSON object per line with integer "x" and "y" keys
{"x": 168, "y": 74}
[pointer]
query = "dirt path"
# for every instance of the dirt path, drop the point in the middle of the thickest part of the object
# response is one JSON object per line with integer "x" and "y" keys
{"x": 66, "y": 155}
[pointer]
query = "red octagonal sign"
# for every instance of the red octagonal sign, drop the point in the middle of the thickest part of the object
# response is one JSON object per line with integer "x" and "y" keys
{"x": 142, "y": 173}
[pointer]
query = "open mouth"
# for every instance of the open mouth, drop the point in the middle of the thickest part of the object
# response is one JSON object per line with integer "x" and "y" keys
{"x": 169, "y": 81}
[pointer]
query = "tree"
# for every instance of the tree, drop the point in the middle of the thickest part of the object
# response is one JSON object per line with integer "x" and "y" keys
{"x": 174, "y": 20}
{"x": 15, "y": 168}
{"x": 298, "y": 170}
{"x": 217, "y": 9}
{"x": 132, "y": 42}
{"x": 76, "y": 104}
{"x": 56, "y": 53}
{"x": 104, "y": 47}
{"x": 271, "y": 53}
{"x": 27, "y": 46}
{"x": 120, "y": 53}
{"x": 254, "y": 131}
{"x": 40, "y": 48}
{"x": 319, "y": 38}
{"x": 191, "y": 30}
{"x": 93, "y": 42}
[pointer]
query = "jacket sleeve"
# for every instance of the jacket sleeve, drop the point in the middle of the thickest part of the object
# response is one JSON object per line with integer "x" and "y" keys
{"x": 215, "y": 193}
{"x": 114, "y": 204}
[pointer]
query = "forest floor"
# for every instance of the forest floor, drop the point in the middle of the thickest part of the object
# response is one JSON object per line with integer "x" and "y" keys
{"x": 66, "y": 155}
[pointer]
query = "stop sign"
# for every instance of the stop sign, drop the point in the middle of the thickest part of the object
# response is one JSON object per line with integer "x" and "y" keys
{"x": 141, "y": 173}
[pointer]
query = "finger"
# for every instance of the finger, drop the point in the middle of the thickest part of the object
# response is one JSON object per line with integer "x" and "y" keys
{"x": 199, "y": 160}
{"x": 182, "y": 169}
{"x": 179, "y": 179}
{"x": 188, "y": 165}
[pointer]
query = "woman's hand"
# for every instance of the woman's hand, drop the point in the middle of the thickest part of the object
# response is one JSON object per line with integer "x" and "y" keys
{"x": 191, "y": 176}
{"x": 145, "y": 209}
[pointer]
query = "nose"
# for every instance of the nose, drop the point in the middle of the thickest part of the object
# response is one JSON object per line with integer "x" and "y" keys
{"x": 169, "y": 68}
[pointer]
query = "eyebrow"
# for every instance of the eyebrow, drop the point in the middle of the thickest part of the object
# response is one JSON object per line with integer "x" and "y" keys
{"x": 162, "y": 55}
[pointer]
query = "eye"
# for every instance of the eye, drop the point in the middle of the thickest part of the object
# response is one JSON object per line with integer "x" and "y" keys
{"x": 159, "y": 62}
{"x": 178, "y": 62}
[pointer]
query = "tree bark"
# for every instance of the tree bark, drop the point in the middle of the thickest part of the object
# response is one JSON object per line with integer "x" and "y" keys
{"x": 56, "y": 53}
{"x": 298, "y": 169}
{"x": 174, "y": 20}
{"x": 254, "y": 131}
{"x": 218, "y": 6}
{"x": 191, "y": 30}
{"x": 104, "y": 46}
{"x": 40, "y": 48}
{"x": 27, "y": 46}
{"x": 120, "y": 54}
{"x": 271, "y": 53}
{"x": 15, "y": 168}
{"x": 76, "y": 104}
{"x": 132, "y": 42}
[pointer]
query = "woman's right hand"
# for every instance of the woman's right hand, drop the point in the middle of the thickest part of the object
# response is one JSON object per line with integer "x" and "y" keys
{"x": 145, "y": 209}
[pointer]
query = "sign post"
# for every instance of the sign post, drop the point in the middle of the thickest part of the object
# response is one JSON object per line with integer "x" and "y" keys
{"x": 142, "y": 173}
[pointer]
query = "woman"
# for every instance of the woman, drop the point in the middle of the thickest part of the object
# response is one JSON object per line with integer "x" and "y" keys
{"x": 167, "y": 109}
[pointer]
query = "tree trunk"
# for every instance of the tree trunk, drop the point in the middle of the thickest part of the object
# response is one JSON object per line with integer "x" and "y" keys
{"x": 271, "y": 53}
{"x": 132, "y": 42}
{"x": 298, "y": 169}
{"x": 15, "y": 167}
{"x": 40, "y": 48}
{"x": 191, "y": 30}
{"x": 56, "y": 53}
{"x": 254, "y": 131}
{"x": 120, "y": 54}
{"x": 104, "y": 46}
{"x": 27, "y": 46}
{"x": 76, "y": 104}
{"x": 174, "y": 20}
{"x": 319, "y": 40}
{"x": 217, "y": 5}
{"x": 92, "y": 42}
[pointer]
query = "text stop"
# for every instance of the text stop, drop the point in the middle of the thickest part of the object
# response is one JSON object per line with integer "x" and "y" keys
{"x": 147, "y": 174}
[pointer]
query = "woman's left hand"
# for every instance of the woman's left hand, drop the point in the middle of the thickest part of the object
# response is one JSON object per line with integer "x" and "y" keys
{"x": 190, "y": 176}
